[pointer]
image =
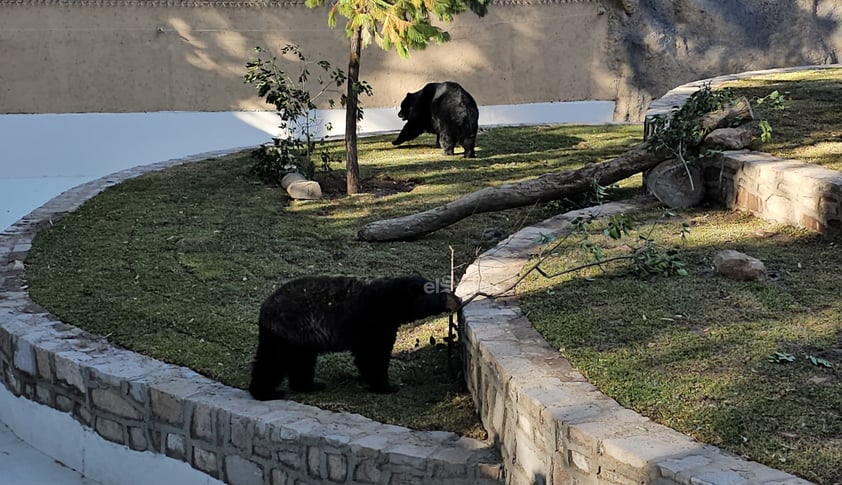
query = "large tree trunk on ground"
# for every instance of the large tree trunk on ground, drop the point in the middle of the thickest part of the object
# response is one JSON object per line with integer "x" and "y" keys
{"x": 547, "y": 187}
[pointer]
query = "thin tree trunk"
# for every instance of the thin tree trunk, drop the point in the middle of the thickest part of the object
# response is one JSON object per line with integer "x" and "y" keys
{"x": 547, "y": 187}
{"x": 352, "y": 101}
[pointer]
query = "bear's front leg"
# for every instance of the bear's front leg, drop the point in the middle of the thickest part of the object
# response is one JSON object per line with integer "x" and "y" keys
{"x": 301, "y": 367}
{"x": 374, "y": 370}
{"x": 268, "y": 369}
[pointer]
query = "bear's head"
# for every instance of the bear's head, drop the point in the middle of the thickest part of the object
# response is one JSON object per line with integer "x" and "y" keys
{"x": 408, "y": 104}
{"x": 426, "y": 298}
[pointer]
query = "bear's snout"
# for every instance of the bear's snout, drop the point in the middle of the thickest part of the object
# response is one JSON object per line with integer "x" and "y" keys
{"x": 452, "y": 302}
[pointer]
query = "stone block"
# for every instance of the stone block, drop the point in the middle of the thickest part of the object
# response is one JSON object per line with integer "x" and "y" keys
{"x": 290, "y": 459}
{"x": 83, "y": 414}
{"x": 137, "y": 439}
{"x": 64, "y": 403}
{"x": 719, "y": 477}
{"x": 69, "y": 369}
{"x": 205, "y": 461}
{"x": 111, "y": 401}
{"x": 176, "y": 447}
{"x": 42, "y": 361}
{"x": 314, "y": 462}
{"x": 5, "y": 343}
{"x": 337, "y": 467}
{"x": 110, "y": 430}
{"x": 279, "y": 477}
{"x": 24, "y": 358}
{"x": 405, "y": 479}
{"x": 43, "y": 395}
{"x": 367, "y": 471}
{"x": 201, "y": 425}
{"x": 242, "y": 433}
{"x": 166, "y": 406}
{"x": 239, "y": 471}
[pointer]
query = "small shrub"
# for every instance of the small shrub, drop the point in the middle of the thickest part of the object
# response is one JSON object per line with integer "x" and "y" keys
{"x": 297, "y": 146}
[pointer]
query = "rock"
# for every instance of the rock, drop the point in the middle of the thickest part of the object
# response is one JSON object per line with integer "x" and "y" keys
{"x": 670, "y": 183}
{"x": 738, "y": 266}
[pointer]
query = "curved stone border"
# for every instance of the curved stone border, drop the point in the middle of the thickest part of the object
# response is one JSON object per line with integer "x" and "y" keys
{"x": 149, "y": 406}
{"x": 551, "y": 424}
{"x": 554, "y": 427}
{"x": 786, "y": 191}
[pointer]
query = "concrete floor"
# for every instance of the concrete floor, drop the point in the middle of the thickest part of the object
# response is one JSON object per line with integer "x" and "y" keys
{"x": 21, "y": 464}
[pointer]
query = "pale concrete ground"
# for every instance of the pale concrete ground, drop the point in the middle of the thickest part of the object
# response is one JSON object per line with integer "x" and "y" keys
{"x": 43, "y": 155}
{"x": 21, "y": 464}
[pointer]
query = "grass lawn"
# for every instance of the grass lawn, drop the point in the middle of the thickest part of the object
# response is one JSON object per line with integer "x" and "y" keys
{"x": 808, "y": 128}
{"x": 708, "y": 356}
{"x": 175, "y": 264}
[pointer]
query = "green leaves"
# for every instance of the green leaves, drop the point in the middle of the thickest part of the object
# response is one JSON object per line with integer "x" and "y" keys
{"x": 400, "y": 24}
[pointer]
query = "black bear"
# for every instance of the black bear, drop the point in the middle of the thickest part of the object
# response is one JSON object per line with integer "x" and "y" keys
{"x": 445, "y": 109}
{"x": 316, "y": 314}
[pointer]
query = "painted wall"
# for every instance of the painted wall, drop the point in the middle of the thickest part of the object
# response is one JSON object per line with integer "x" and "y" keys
{"x": 62, "y": 56}
{"x": 140, "y": 55}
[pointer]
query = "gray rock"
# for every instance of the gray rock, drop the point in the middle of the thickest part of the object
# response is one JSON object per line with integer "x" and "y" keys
{"x": 738, "y": 266}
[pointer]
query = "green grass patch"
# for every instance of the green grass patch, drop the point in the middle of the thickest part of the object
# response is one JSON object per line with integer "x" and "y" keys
{"x": 808, "y": 127}
{"x": 694, "y": 352}
{"x": 175, "y": 264}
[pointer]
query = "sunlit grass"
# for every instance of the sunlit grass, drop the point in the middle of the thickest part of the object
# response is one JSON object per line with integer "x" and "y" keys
{"x": 175, "y": 264}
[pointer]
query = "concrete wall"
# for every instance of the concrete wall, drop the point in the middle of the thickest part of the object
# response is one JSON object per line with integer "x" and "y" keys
{"x": 138, "y": 55}
{"x": 61, "y": 56}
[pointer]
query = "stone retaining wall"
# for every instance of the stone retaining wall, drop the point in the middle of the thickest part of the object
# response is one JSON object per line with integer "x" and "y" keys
{"x": 552, "y": 426}
{"x": 150, "y": 406}
{"x": 775, "y": 189}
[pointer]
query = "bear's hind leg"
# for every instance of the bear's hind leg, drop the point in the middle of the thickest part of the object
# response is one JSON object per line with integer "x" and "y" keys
{"x": 448, "y": 142}
{"x": 268, "y": 369}
{"x": 302, "y": 369}
{"x": 468, "y": 144}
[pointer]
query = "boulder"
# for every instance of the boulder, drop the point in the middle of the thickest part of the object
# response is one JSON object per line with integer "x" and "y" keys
{"x": 739, "y": 266}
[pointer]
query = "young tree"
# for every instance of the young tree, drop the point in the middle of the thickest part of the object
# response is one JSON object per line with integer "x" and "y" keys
{"x": 400, "y": 24}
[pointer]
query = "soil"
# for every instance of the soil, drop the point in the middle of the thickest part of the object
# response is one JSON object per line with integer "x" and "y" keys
{"x": 334, "y": 185}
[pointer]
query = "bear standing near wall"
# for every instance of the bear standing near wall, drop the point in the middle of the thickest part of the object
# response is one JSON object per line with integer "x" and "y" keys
{"x": 316, "y": 314}
{"x": 445, "y": 109}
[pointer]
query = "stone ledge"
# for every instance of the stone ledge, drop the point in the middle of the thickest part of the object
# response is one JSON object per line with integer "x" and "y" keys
{"x": 150, "y": 406}
{"x": 554, "y": 427}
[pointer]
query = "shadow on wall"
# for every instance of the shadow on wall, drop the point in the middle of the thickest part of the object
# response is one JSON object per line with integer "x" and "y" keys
{"x": 664, "y": 43}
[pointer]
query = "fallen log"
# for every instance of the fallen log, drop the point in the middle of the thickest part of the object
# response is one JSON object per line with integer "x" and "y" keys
{"x": 557, "y": 185}
{"x": 547, "y": 187}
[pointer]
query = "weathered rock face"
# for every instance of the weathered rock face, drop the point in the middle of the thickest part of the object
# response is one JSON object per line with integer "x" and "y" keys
{"x": 655, "y": 45}
{"x": 738, "y": 266}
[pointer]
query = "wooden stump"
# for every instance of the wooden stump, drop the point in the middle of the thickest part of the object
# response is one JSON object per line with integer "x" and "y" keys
{"x": 298, "y": 187}
{"x": 677, "y": 186}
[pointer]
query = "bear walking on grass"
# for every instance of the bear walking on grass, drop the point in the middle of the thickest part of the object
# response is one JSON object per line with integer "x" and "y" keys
{"x": 445, "y": 109}
{"x": 311, "y": 315}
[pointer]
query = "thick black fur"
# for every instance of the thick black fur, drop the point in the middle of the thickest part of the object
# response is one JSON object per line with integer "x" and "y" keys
{"x": 445, "y": 109}
{"x": 311, "y": 315}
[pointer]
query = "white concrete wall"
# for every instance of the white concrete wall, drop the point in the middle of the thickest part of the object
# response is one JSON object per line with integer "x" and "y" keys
{"x": 46, "y": 154}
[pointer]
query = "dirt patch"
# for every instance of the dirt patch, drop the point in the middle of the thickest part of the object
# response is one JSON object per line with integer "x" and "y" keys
{"x": 334, "y": 185}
